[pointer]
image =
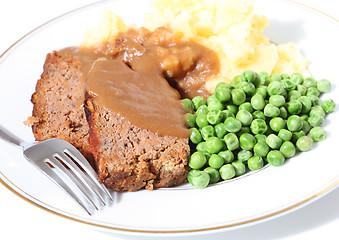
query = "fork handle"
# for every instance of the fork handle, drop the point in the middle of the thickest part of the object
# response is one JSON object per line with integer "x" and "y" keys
{"x": 9, "y": 137}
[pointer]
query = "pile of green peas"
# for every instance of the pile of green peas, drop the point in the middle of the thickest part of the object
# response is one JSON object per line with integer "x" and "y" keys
{"x": 255, "y": 119}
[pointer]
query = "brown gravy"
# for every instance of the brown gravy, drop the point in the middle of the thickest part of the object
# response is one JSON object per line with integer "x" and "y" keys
{"x": 135, "y": 77}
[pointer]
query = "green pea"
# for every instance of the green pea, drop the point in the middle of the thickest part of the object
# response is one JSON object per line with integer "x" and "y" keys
{"x": 247, "y": 141}
{"x": 232, "y": 124}
{"x": 261, "y": 149}
{"x": 328, "y": 105}
{"x": 207, "y": 132}
{"x": 214, "y": 116}
{"x": 294, "y": 106}
{"x": 262, "y": 90}
{"x": 258, "y": 115}
{"x": 202, "y": 110}
{"x": 255, "y": 79}
{"x": 213, "y": 173}
{"x": 212, "y": 98}
{"x": 283, "y": 112}
{"x": 301, "y": 89}
{"x": 244, "y": 155}
{"x": 318, "y": 134}
{"x": 220, "y": 130}
{"x": 315, "y": 120}
{"x": 258, "y": 102}
{"x": 263, "y": 76}
{"x": 314, "y": 99}
{"x": 190, "y": 120}
{"x": 248, "y": 76}
{"x": 260, "y": 138}
{"x": 271, "y": 111}
{"x": 258, "y": 126}
{"x": 223, "y": 94}
{"x": 288, "y": 84}
{"x": 246, "y": 106}
{"x": 215, "y": 105}
{"x": 198, "y": 101}
{"x": 239, "y": 168}
{"x": 293, "y": 95}
{"x": 306, "y": 104}
{"x": 191, "y": 173}
{"x": 201, "y": 120}
{"x": 275, "y": 158}
{"x": 285, "y": 135}
{"x": 238, "y": 96}
{"x": 227, "y": 171}
{"x": 188, "y": 105}
{"x": 201, "y": 147}
{"x": 313, "y": 91}
{"x": 288, "y": 149}
{"x": 226, "y": 114}
{"x": 214, "y": 145}
{"x": 199, "y": 179}
{"x": 317, "y": 110}
{"x": 274, "y": 88}
{"x": 255, "y": 163}
{"x": 277, "y": 124}
{"x": 284, "y": 93}
{"x": 227, "y": 155}
{"x": 277, "y": 100}
{"x": 197, "y": 160}
{"x": 232, "y": 141}
{"x": 215, "y": 161}
{"x": 324, "y": 86}
{"x": 232, "y": 108}
{"x": 297, "y": 78}
{"x": 273, "y": 141}
{"x": 275, "y": 77}
{"x": 310, "y": 82}
{"x": 222, "y": 85}
{"x": 195, "y": 136}
{"x": 244, "y": 117}
{"x": 235, "y": 82}
{"x": 294, "y": 123}
{"x": 304, "y": 144}
{"x": 248, "y": 88}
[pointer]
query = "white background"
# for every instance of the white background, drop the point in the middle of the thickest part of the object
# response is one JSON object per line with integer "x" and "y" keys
{"x": 22, "y": 220}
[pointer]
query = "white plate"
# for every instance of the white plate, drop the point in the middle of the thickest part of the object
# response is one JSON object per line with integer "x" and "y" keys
{"x": 247, "y": 200}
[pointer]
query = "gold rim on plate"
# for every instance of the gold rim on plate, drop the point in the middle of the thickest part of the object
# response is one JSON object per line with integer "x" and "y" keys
{"x": 331, "y": 185}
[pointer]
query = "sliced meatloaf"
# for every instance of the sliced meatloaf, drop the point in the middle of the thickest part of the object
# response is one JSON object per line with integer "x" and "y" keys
{"x": 129, "y": 158}
{"x": 58, "y": 110}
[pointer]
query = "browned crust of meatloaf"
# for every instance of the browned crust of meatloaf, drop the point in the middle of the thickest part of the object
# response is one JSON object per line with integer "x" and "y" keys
{"x": 58, "y": 110}
{"x": 129, "y": 158}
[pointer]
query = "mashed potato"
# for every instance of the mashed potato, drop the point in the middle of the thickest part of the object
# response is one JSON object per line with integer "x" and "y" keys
{"x": 229, "y": 27}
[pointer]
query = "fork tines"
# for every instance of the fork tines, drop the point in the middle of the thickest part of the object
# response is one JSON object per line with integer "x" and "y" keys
{"x": 72, "y": 172}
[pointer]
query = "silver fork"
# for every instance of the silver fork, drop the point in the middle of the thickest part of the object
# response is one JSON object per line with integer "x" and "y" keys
{"x": 67, "y": 167}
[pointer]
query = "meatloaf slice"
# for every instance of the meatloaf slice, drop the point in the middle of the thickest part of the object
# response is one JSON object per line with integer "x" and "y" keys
{"x": 58, "y": 110}
{"x": 129, "y": 158}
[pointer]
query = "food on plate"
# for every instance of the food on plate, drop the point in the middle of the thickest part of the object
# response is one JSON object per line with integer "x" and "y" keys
{"x": 135, "y": 121}
{"x": 256, "y": 118}
{"x": 229, "y": 27}
{"x": 127, "y": 96}
{"x": 58, "y": 109}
